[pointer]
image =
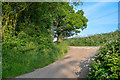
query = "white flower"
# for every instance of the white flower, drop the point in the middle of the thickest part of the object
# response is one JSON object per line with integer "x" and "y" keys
{"x": 93, "y": 59}
{"x": 110, "y": 75}
{"x": 107, "y": 76}
{"x": 87, "y": 65}
{"x": 89, "y": 68}
{"x": 99, "y": 70}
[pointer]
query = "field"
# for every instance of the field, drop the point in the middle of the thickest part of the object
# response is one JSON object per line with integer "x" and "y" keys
{"x": 95, "y": 40}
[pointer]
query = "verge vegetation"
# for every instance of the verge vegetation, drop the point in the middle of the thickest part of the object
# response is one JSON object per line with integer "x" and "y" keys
{"x": 107, "y": 62}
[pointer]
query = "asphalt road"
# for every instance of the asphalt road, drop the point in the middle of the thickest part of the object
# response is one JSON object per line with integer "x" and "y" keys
{"x": 70, "y": 66}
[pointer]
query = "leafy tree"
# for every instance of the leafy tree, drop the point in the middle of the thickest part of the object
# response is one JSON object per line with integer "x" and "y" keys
{"x": 67, "y": 22}
{"x": 10, "y": 13}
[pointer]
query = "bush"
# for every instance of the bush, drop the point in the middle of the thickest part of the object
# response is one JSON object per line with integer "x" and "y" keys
{"x": 0, "y": 60}
{"x": 23, "y": 53}
{"x": 107, "y": 62}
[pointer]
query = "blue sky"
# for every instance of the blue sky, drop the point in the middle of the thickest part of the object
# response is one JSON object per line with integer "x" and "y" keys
{"x": 102, "y": 17}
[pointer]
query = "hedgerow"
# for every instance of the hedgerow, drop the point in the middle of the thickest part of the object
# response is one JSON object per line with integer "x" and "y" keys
{"x": 107, "y": 62}
{"x": 95, "y": 40}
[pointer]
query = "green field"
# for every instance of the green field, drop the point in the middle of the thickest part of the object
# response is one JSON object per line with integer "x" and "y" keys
{"x": 95, "y": 40}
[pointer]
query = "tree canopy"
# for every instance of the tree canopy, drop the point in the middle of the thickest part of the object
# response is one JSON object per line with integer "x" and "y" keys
{"x": 60, "y": 18}
{"x": 67, "y": 22}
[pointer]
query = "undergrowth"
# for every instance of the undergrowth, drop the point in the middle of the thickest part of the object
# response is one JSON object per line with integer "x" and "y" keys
{"x": 23, "y": 54}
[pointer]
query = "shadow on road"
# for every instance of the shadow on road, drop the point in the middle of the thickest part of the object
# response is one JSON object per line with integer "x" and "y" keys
{"x": 84, "y": 66}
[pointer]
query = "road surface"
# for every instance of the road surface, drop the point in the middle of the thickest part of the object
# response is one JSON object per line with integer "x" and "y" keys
{"x": 70, "y": 66}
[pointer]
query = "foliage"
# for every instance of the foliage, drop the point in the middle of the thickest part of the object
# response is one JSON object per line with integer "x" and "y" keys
{"x": 0, "y": 61}
{"x": 95, "y": 40}
{"x": 67, "y": 22}
{"x": 107, "y": 62}
{"x": 23, "y": 54}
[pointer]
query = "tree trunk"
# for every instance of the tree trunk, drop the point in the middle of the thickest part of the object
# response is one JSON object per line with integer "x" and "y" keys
{"x": 59, "y": 38}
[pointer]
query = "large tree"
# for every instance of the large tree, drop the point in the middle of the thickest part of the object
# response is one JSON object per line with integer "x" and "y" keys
{"x": 31, "y": 18}
{"x": 67, "y": 22}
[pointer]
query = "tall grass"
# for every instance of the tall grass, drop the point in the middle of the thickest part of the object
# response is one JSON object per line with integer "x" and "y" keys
{"x": 23, "y": 54}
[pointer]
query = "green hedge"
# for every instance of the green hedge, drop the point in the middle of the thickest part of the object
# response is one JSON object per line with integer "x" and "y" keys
{"x": 107, "y": 62}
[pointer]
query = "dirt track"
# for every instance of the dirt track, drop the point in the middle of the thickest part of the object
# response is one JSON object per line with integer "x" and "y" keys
{"x": 70, "y": 66}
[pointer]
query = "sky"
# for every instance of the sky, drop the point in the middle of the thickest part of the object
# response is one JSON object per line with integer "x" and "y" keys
{"x": 102, "y": 17}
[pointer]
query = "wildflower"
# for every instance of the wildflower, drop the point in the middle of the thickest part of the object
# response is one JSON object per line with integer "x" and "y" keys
{"x": 89, "y": 68}
{"x": 93, "y": 59}
{"x": 110, "y": 75}
{"x": 107, "y": 76}
{"x": 87, "y": 65}
{"x": 97, "y": 60}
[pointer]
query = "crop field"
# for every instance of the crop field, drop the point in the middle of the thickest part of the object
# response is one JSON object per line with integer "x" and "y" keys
{"x": 95, "y": 40}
